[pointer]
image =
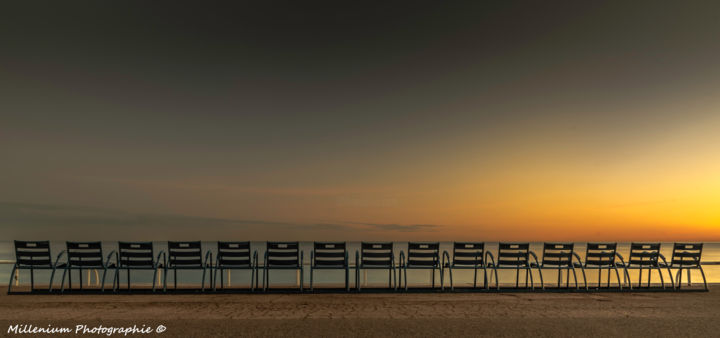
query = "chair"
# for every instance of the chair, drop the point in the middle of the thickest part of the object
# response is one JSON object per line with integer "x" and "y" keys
{"x": 646, "y": 256}
{"x": 422, "y": 256}
{"x": 235, "y": 256}
{"x": 376, "y": 256}
{"x": 282, "y": 256}
{"x": 34, "y": 255}
{"x": 136, "y": 256}
{"x": 84, "y": 255}
{"x": 560, "y": 256}
{"x": 468, "y": 256}
{"x": 599, "y": 256}
{"x": 330, "y": 256}
{"x": 516, "y": 256}
{"x": 686, "y": 256}
{"x": 187, "y": 256}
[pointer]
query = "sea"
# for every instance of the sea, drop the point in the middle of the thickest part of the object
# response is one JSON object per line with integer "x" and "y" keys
{"x": 336, "y": 278}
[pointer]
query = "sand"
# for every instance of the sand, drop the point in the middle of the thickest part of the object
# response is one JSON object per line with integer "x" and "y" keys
{"x": 548, "y": 314}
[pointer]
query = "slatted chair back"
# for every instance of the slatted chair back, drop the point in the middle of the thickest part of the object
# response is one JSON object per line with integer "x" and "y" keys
{"x": 233, "y": 254}
{"x": 423, "y": 254}
{"x": 376, "y": 254}
{"x": 33, "y": 254}
{"x": 470, "y": 254}
{"x": 85, "y": 254}
{"x": 557, "y": 254}
{"x": 686, "y": 255}
{"x": 185, "y": 254}
{"x": 644, "y": 254}
{"x": 513, "y": 254}
{"x": 330, "y": 254}
{"x": 283, "y": 254}
{"x": 135, "y": 255}
{"x": 600, "y": 254}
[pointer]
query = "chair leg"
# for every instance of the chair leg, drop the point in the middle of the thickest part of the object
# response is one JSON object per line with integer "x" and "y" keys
{"x": 154, "y": 279}
{"x": 202, "y": 284}
{"x": 175, "y": 278}
{"x": 79, "y": 277}
{"x": 311, "y": 279}
{"x": 347, "y": 278}
{"x": 115, "y": 280}
{"x": 703, "y": 276}
{"x": 474, "y": 277}
{"x": 649, "y": 276}
{"x": 32, "y": 279}
{"x": 165, "y": 270}
{"x": 640, "y": 275}
{"x": 577, "y": 286}
{"x": 52, "y": 275}
{"x": 406, "y": 283}
{"x": 62, "y": 284}
{"x": 662, "y": 279}
{"x": 542, "y": 280}
{"x": 433, "y": 278}
{"x": 689, "y": 279}
{"x": 517, "y": 278}
{"x": 452, "y": 283}
{"x": 12, "y": 274}
{"x": 102, "y": 283}
{"x": 617, "y": 274}
{"x": 128, "y": 279}
{"x": 302, "y": 278}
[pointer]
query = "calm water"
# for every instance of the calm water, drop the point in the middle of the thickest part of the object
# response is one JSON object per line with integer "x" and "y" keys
{"x": 239, "y": 278}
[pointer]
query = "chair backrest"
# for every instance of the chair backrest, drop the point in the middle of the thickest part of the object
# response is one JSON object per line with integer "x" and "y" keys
{"x": 283, "y": 254}
{"x": 423, "y": 254}
{"x": 558, "y": 254}
{"x": 465, "y": 253}
{"x": 185, "y": 254}
{"x": 376, "y": 254}
{"x": 33, "y": 254}
{"x": 84, "y": 254}
{"x": 687, "y": 254}
{"x": 330, "y": 254}
{"x": 233, "y": 254}
{"x": 513, "y": 254}
{"x": 644, "y": 254}
{"x": 135, "y": 255}
{"x": 600, "y": 254}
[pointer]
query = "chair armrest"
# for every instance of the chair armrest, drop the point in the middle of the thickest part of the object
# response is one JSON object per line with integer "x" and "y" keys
{"x": 402, "y": 259}
{"x": 164, "y": 260}
{"x": 532, "y": 253}
{"x": 577, "y": 257}
{"x": 492, "y": 258}
{"x": 208, "y": 254}
{"x": 665, "y": 264}
{"x": 117, "y": 259}
{"x": 57, "y": 260}
{"x": 445, "y": 255}
{"x": 622, "y": 260}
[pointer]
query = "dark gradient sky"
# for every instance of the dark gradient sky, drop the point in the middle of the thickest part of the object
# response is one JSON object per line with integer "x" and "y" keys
{"x": 563, "y": 120}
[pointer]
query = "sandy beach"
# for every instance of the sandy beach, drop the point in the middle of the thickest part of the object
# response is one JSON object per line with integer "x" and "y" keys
{"x": 548, "y": 314}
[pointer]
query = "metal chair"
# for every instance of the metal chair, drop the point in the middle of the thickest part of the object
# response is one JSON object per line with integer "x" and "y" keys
{"x": 560, "y": 256}
{"x": 282, "y": 256}
{"x": 329, "y": 256}
{"x": 34, "y": 255}
{"x": 599, "y": 256}
{"x": 516, "y": 256}
{"x": 468, "y": 256}
{"x": 84, "y": 255}
{"x": 686, "y": 256}
{"x": 422, "y": 256}
{"x": 646, "y": 256}
{"x": 136, "y": 256}
{"x": 235, "y": 256}
{"x": 187, "y": 256}
{"x": 376, "y": 256}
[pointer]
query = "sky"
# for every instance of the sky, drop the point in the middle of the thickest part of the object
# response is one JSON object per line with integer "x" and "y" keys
{"x": 573, "y": 121}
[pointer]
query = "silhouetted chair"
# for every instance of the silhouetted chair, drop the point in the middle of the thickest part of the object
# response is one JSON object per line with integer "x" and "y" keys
{"x": 686, "y": 256}
{"x": 136, "y": 256}
{"x": 422, "y": 256}
{"x": 468, "y": 256}
{"x": 235, "y": 256}
{"x": 329, "y": 256}
{"x": 516, "y": 256}
{"x": 601, "y": 256}
{"x": 34, "y": 255}
{"x": 376, "y": 256}
{"x": 85, "y": 255}
{"x": 559, "y": 256}
{"x": 187, "y": 256}
{"x": 282, "y": 256}
{"x": 646, "y": 256}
